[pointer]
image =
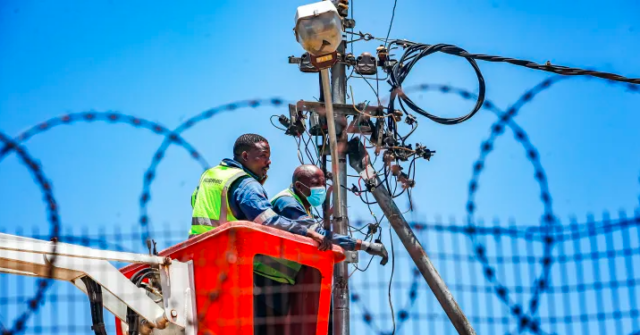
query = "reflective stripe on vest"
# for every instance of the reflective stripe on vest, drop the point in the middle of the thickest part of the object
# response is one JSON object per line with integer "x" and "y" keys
{"x": 277, "y": 269}
{"x": 199, "y": 229}
{"x": 211, "y": 208}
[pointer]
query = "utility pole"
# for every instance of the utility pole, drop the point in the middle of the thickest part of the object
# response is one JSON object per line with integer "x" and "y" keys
{"x": 320, "y": 30}
{"x": 341, "y": 220}
{"x": 326, "y": 47}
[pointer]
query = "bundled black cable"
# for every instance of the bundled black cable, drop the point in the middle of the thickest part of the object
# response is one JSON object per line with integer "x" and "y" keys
{"x": 400, "y": 70}
{"x": 548, "y": 67}
{"x": 132, "y": 317}
{"x": 94, "y": 291}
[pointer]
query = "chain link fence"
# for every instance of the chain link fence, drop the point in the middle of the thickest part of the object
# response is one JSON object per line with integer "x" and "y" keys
{"x": 592, "y": 286}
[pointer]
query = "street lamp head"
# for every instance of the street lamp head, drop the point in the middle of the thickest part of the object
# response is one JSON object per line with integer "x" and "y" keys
{"x": 318, "y": 28}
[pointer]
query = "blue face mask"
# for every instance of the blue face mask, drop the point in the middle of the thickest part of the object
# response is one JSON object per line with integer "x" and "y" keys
{"x": 317, "y": 196}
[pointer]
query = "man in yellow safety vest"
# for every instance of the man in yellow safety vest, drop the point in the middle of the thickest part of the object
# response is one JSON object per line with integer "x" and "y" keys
{"x": 233, "y": 191}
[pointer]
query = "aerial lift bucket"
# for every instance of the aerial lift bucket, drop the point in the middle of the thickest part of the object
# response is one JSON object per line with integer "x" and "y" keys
{"x": 223, "y": 278}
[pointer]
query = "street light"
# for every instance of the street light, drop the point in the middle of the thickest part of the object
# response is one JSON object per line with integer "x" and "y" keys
{"x": 319, "y": 30}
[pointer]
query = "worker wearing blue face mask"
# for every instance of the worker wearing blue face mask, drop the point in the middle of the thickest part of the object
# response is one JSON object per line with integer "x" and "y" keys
{"x": 308, "y": 189}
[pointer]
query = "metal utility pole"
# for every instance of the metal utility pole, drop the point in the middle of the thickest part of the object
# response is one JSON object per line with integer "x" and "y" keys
{"x": 319, "y": 29}
{"x": 341, "y": 221}
{"x": 335, "y": 90}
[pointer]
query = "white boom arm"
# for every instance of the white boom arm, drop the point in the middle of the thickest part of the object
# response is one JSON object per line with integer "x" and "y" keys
{"x": 32, "y": 257}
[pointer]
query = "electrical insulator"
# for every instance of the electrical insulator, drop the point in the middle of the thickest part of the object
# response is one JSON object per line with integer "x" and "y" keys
{"x": 366, "y": 64}
{"x": 383, "y": 54}
{"x": 317, "y": 124}
{"x": 388, "y": 157}
{"x": 397, "y": 115}
{"x": 372, "y": 228}
{"x": 424, "y": 152}
{"x": 406, "y": 183}
{"x": 342, "y": 6}
{"x": 350, "y": 59}
{"x": 305, "y": 64}
{"x": 284, "y": 121}
{"x": 410, "y": 119}
{"x": 396, "y": 170}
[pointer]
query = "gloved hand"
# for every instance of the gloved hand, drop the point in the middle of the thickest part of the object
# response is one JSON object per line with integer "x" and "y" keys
{"x": 376, "y": 249}
{"x": 323, "y": 240}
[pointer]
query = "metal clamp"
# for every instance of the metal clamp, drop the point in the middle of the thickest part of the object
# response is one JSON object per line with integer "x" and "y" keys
{"x": 351, "y": 257}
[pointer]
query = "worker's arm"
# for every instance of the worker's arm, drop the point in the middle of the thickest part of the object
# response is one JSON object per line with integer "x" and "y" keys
{"x": 292, "y": 209}
{"x": 252, "y": 201}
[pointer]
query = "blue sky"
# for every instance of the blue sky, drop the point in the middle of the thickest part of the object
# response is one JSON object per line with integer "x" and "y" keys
{"x": 166, "y": 62}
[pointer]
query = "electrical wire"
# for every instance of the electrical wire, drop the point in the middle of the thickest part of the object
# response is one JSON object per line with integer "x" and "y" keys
{"x": 133, "y": 319}
{"x": 94, "y": 292}
{"x": 393, "y": 264}
{"x": 315, "y": 147}
{"x": 306, "y": 149}
{"x": 393, "y": 15}
{"x": 547, "y": 67}
{"x": 300, "y": 158}
{"x": 352, "y": 28}
{"x": 273, "y": 124}
{"x": 401, "y": 70}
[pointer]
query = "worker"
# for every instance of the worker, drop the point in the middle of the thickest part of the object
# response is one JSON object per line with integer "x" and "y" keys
{"x": 233, "y": 191}
{"x": 238, "y": 184}
{"x": 308, "y": 189}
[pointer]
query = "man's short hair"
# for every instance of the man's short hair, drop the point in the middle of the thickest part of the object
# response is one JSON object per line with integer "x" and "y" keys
{"x": 245, "y": 143}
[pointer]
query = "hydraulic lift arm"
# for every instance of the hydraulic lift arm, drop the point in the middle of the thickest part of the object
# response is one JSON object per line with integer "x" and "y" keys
{"x": 175, "y": 313}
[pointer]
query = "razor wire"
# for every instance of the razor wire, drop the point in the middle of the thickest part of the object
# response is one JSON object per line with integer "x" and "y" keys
{"x": 111, "y": 118}
{"x": 12, "y": 145}
{"x": 403, "y": 314}
{"x": 470, "y": 230}
{"x": 473, "y": 286}
{"x": 522, "y": 138}
{"x": 150, "y": 173}
{"x": 497, "y": 129}
{"x": 571, "y": 232}
{"x": 526, "y": 320}
{"x": 46, "y": 188}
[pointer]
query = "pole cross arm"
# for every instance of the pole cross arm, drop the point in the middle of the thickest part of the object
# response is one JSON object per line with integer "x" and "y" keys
{"x": 339, "y": 108}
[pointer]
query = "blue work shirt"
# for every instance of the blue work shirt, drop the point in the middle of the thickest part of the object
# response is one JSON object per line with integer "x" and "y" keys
{"x": 290, "y": 208}
{"x": 249, "y": 199}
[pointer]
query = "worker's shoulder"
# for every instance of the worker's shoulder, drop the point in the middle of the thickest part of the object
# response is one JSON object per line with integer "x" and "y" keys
{"x": 286, "y": 201}
{"x": 286, "y": 193}
{"x": 246, "y": 183}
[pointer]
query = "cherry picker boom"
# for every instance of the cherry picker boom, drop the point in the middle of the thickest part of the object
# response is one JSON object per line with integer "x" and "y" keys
{"x": 201, "y": 286}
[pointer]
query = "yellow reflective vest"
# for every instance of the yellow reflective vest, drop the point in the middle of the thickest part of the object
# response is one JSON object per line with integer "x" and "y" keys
{"x": 210, "y": 203}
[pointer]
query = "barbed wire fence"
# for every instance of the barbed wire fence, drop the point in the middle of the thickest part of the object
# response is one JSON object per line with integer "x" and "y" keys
{"x": 543, "y": 294}
{"x": 587, "y": 265}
